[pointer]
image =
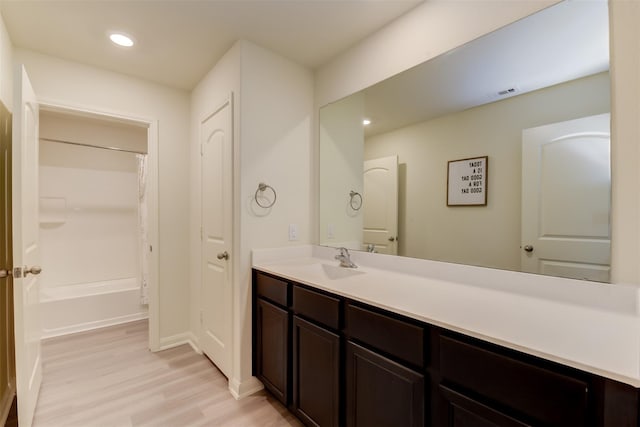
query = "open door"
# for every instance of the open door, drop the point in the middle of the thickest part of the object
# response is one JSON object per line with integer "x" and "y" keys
{"x": 26, "y": 250}
{"x": 566, "y": 199}
{"x": 380, "y": 228}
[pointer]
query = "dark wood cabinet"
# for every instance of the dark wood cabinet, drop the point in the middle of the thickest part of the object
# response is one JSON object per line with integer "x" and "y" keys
{"x": 381, "y": 392}
{"x": 538, "y": 393}
{"x": 272, "y": 348}
{"x": 316, "y": 374}
{"x": 335, "y": 361}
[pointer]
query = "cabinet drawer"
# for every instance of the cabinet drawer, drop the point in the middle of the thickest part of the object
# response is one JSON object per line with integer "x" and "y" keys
{"x": 316, "y": 306}
{"x": 395, "y": 337}
{"x": 546, "y": 396}
{"x": 463, "y": 411}
{"x": 272, "y": 289}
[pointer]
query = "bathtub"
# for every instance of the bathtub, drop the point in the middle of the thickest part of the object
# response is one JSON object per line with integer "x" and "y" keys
{"x": 80, "y": 307}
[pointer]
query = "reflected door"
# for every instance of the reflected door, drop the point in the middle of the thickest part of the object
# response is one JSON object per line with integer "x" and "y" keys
{"x": 26, "y": 248}
{"x": 217, "y": 186}
{"x": 566, "y": 194}
{"x": 380, "y": 205}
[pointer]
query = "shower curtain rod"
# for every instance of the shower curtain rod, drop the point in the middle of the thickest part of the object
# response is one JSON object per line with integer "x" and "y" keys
{"x": 91, "y": 146}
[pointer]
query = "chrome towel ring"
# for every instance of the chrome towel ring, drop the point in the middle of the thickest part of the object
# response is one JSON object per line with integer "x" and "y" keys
{"x": 355, "y": 200}
{"x": 261, "y": 188}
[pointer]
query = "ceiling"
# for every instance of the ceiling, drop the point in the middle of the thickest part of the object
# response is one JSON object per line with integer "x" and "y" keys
{"x": 564, "y": 42}
{"x": 179, "y": 41}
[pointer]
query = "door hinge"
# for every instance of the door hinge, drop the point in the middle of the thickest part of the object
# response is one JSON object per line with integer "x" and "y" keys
{"x": 201, "y": 149}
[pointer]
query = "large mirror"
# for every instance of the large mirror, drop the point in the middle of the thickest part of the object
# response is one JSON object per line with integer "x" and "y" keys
{"x": 495, "y": 154}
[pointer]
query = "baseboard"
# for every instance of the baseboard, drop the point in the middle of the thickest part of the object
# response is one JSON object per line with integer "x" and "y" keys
{"x": 246, "y": 388}
{"x": 87, "y": 326}
{"x": 5, "y": 405}
{"x": 180, "y": 339}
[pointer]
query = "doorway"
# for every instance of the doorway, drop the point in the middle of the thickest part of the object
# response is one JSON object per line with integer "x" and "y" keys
{"x": 92, "y": 222}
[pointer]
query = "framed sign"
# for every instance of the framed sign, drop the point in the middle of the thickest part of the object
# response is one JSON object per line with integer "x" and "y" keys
{"x": 467, "y": 182}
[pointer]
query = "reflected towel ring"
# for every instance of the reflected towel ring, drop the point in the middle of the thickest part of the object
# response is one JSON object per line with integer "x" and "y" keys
{"x": 262, "y": 187}
{"x": 355, "y": 200}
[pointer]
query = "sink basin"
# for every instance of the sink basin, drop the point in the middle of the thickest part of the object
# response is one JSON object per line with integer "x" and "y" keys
{"x": 328, "y": 271}
{"x": 334, "y": 272}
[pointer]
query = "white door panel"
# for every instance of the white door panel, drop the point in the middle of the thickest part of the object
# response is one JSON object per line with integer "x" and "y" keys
{"x": 380, "y": 205}
{"x": 217, "y": 186}
{"x": 26, "y": 250}
{"x": 566, "y": 193}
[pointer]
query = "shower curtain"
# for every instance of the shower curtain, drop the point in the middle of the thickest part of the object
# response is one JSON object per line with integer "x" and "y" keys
{"x": 142, "y": 228}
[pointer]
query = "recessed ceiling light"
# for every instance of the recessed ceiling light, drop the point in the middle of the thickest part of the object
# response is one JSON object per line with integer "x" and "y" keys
{"x": 121, "y": 39}
{"x": 366, "y": 122}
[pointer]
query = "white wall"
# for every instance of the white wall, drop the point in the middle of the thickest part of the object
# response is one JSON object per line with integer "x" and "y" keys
{"x": 75, "y": 85}
{"x": 438, "y": 26}
{"x": 6, "y": 67}
{"x": 342, "y": 152}
{"x": 273, "y": 105}
{"x": 432, "y": 230}
{"x": 276, "y": 125}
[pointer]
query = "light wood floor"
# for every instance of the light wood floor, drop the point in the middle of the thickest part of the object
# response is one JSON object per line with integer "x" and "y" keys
{"x": 108, "y": 378}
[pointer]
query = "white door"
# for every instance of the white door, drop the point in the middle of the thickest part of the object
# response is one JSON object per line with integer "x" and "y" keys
{"x": 26, "y": 250}
{"x": 380, "y": 205}
{"x": 566, "y": 198}
{"x": 216, "y": 139}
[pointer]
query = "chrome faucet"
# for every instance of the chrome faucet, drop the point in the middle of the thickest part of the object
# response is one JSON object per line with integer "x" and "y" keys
{"x": 345, "y": 258}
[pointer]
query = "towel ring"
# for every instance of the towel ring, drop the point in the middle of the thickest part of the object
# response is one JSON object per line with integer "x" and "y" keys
{"x": 261, "y": 188}
{"x": 355, "y": 200}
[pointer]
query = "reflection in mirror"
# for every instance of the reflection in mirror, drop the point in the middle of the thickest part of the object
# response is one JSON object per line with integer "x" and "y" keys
{"x": 534, "y": 98}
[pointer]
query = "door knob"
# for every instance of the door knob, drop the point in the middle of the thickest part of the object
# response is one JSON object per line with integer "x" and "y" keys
{"x": 392, "y": 239}
{"x": 35, "y": 270}
{"x": 5, "y": 273}
{"x": 223, "y": 255}
{"x": 528, "y": 248}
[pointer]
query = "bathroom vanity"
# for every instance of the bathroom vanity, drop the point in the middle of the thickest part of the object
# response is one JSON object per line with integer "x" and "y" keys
{"x": 418, "y": 346}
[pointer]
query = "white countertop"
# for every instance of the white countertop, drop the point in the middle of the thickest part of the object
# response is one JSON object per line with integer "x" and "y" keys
{"x": 590, "y": 326}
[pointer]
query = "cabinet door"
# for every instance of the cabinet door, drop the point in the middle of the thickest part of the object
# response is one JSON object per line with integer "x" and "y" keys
{"x": 316, "y": 374}
{"x": 381, "y": 392}
{"x": 272, "y": 348}
{"x": 462, "y": 411}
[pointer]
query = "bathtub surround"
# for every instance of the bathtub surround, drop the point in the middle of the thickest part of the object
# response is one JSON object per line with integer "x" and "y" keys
{"x": 89, "y": 225}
